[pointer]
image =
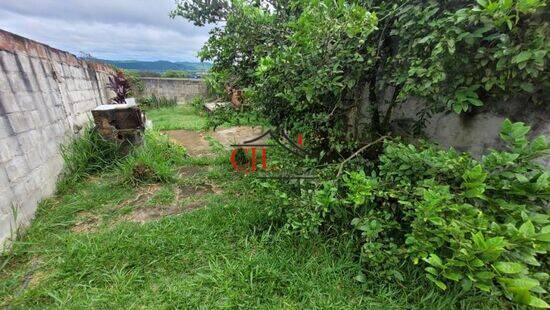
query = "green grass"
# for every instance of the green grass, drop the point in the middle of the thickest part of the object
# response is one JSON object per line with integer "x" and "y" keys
{"x": 178, "y": 117}
{"x": 227, "y": 254}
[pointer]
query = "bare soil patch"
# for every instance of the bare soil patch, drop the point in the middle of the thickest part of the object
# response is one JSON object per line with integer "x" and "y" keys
{"x": 193, "y": 141}
{"x": 191, "y": 171}
{"x": 143, "y": 213}
{"x": 146, "y": 214}
{"x": 145, "y": 194}
{"x": 238, "y": 135}
{"x": 197, "y": 145}
{"x": 188, "y": 191}
{"x": 88, "y": 223}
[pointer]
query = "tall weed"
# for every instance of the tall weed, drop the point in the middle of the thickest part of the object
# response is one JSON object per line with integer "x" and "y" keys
{"x": 86, "y": 155}
{"x": 153, "y": 162}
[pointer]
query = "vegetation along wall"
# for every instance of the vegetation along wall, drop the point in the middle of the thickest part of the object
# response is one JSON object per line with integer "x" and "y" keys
{"x": 45, "y": 96}
{"x": 181, "y": 89}
{"x": 475, "y": 132}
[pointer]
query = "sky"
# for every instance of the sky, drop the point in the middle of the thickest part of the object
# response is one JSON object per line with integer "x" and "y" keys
{"x": 107, "y": 29}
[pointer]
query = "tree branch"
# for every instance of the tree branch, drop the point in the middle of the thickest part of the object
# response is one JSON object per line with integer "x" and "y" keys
{"x": 358, "y": 152}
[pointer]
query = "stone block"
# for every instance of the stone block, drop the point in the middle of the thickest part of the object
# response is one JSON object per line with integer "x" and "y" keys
{"x": 10, "y": 148}
{"x": 35, "y": 158}
{"x": 4, "y": 181}
{"x": 40, "y": 75}
{"x": 16, "y": 82}
{"x": 8, "y": 61}
{"x": 38, "y": 119}
{"x": 25, "y": 63}
{"x": 27, "y": 141}
{"x": 4, "y": 82}
{"x": 25, "y": 100}
{"x": 20, "y": 121}
{"x": 8, "y": 103}
{"x": 17, "y": 168}
{"x": 5, "y": 128}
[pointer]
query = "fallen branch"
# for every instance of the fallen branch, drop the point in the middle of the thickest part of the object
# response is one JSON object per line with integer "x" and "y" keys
{"x": 359, "y": 152}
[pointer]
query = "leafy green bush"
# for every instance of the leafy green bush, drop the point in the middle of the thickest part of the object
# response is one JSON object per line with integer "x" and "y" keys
{"x": 153, "y": 162}
{"x": 198, "y": 103}
{"x": 86, "y": 155}
{"x": 483, "y": 224}
{"x": 335, "y": 70}
{"x": 155, "y": 102}
{"x": 228, "y": 116}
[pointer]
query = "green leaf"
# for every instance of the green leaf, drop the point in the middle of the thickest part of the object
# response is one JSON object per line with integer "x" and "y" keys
{"x": 440, "y": 284}
{"x": 509, "y": 267}
{"x": 431, "y": 270}
{"x": 528, "y": 87}
{"x": 466, "y": 284}
{"x": 457, "y": 108}
{"x": 455, "y": 276}
{"x": 519, "y": 283}
{"x": 434, "y": 260}
{"x": 545, "y": 237}
{"x": 527, "y": 229}
{"x": 538, "y": 303}
{"x": 521, "y": 57}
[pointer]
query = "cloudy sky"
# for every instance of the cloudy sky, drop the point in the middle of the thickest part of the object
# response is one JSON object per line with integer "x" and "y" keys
{"x": 108, "y": 29}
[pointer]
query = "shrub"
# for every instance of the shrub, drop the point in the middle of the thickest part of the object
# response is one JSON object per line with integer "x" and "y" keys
{"x": 86, "y": 155}
{"x": 157, "y": 102}
{"x": 120, "y": 85}
{"x": 481, "y": 223}
{"x": 153, "y": 162}
{"x": 198, "y": 103}
{"x": 335, "y": 70}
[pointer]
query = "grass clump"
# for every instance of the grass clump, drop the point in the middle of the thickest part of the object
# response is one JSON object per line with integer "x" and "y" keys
{"x": 155, "y": 102}
{"x": 89, "y": 154}
{"x": 86, "y": 155}
{"x": 154, "y": 162}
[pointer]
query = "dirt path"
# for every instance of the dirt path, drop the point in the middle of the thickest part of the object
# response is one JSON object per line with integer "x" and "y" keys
{"x": 196, "y": 144}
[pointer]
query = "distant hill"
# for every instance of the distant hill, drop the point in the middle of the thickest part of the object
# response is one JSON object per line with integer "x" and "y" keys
{"x": 159, "y": 65}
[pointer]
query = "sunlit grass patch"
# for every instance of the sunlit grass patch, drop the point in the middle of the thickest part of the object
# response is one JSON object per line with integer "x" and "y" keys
{"x": 177, "y": 117}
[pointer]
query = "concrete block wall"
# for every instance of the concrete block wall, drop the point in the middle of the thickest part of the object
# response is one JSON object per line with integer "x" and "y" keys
{"x": 45, "y": 98}
{"x": 479, "y": 131}
{"x": 183, "y": 90}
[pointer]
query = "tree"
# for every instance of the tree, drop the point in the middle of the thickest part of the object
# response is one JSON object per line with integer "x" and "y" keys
{"x": 335, "y": 70}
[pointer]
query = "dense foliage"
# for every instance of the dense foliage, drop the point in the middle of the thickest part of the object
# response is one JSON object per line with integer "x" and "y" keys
{"x": 481, "y": 224}
{"x": 335, "y": 69}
